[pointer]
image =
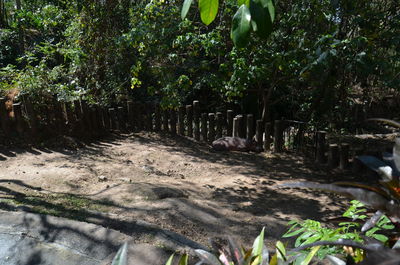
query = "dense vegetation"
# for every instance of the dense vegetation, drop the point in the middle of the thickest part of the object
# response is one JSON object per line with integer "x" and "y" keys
{"x": 321, "y": 59}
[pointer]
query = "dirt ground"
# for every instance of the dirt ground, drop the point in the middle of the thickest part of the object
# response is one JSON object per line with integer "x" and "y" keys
{"x": 171, "y": 182}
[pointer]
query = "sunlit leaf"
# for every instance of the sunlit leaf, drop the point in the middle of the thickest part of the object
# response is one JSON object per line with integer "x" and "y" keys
{"x": 246, "y": 2}
{"x": 185, "y": 8}
{"x": 310, "y": 255}
{"x": 207, "y": 256}
{"x": 121, "y": 258}
{"x": 169, "y": 261}
{"x": 208, "y": 10}
{"x": 241, "y": 26}
{"x": 184, "y": 259}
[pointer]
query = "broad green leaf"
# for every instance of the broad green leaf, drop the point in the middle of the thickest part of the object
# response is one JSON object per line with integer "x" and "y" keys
{"x": 208, "y": 10}
{"x": 185, "y": 8}
{"x": 184, "y": 259}
{"x": 169, "y": 262}
{"x": 271, "y": 9}
{"x": 246, "y": 2}
{"x": 280, "y": 251}
{"x": 258, "y": 243}
{"x": 261, "y": 18}
{"x": 241, "y": 26}
{"x": 121, "y": 257}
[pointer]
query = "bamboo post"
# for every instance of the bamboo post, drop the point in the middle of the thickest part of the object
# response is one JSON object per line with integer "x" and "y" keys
{"x": 278, "y": 136}
{"x": 229, "y": 123}
{"x": 333, "y": 156}
{"x": 204, "y": 126}
{"x": 320, "y": 145}
{"x": 196, "y": 119}
{"x": 181, "y": 120}
{"x": 220, "y": 120}
{"x": 344, "y": 155}
{"x": 235, "y": 132}
{"x": 259, "y": 133}
{"x": 157, "y": 118}
{"x": 173, "y": 122}
{"x": 211, "y": 127}
{"x": 189, "y": 120}
{"x": 250, "y": 126}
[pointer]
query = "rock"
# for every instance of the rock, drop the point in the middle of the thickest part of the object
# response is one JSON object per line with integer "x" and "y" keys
{"x": 102, "y": 178}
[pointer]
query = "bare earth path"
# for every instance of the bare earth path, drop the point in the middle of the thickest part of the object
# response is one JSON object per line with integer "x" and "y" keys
{"x": 174, "y": 183}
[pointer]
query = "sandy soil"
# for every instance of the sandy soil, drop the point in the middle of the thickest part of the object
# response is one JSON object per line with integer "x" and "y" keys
{"x": 172, "y": 182}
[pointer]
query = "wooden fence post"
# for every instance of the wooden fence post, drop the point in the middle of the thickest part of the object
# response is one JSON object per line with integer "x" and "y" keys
{"x": 113, "y": 119}
{"x": 344, "y": 155}
{"x": 241, "y": 131}
{"x": 157, "y": 118}
{"x": 32, "y": 118}
{"x": 235, "y": 132}
{"x": 196, "y": 119}
{"x": 173, "y": 121}
{"x": 220, "y": 120}
{"x": 268, "y": 134}
{"x": 211, "y": 127}
{"x": 278, "y": 136}
{"x": 189, "y": 120}
{"x": 229, "y": 123}
{"x": 86, "y": 117}
{"x": 250, "y": 126}
{"x": 106, "y": 117}
{"x": 130, "y": 111}
{"x": 19, "y": 119}
{"x": 259, "y": 133}
{"x": 121, "y": 118}
{"x": 333, "y": 156}
{"x": 165, "y": 120}
{"x": 204, "y": 126}
{"x": 320, "y": 145}
{"x": 4, "y": 119}
{"x": 181, "y": 120}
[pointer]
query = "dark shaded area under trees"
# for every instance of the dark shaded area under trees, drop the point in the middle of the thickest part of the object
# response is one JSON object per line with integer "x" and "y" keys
{"x": 333, "y": 61}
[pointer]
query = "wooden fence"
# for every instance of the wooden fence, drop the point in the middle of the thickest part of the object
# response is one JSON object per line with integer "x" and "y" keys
{"x": 80, "y": 119}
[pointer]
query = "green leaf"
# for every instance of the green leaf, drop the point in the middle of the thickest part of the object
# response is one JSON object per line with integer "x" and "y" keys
{"x": 310, "y": 255}
{"x": 261, "y": 17}
{"x": 169, "y": 262}
{"x": 185, "y": 8}
{"x": 184, "y": 259}
{"x": 258, "y": 243}
{"x": 121, "y": 257}
{"x": 241, "y": 26}
{"x": 246, "y": 2}
{"x": 208, "y": 10}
